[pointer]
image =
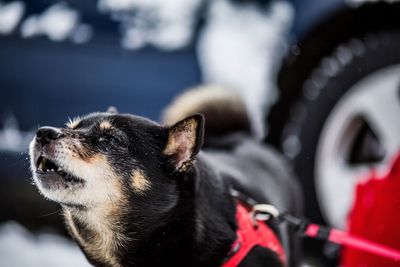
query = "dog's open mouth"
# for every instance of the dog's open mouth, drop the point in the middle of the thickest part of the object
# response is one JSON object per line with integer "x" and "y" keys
{"x": 50, "y": 172}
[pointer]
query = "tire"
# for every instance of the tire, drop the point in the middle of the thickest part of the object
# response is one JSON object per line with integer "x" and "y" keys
{"x": 322, "y": 94}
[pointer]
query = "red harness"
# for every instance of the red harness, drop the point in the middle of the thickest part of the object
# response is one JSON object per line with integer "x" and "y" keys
{"x": 380, "y": 199}
{"x": 249, "y": 236}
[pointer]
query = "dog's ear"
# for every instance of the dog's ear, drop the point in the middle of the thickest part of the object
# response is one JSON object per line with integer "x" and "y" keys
{"x": 184, "y": 141}
{"x": 112, "y": 110}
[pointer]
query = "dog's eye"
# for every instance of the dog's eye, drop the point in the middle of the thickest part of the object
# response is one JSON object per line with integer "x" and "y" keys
{"x": 108, "y": 138}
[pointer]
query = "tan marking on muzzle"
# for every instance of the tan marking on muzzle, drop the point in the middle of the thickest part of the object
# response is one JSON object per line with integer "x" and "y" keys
{"x": 140, "y": 182}
{"x": 78, "y": 150}
{"x": 102, "y": 183}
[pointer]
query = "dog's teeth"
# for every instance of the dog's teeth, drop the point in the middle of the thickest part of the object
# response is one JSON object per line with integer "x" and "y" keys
{"x": 41, "y": 165}
{"x": 52, "y": 170}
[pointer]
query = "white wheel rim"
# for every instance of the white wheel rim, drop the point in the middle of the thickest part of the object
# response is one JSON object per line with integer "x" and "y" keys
{"x": 376, "y": 99}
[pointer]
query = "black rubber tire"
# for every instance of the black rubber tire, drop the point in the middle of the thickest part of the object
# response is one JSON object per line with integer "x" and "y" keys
{"x": 321, "y": 92}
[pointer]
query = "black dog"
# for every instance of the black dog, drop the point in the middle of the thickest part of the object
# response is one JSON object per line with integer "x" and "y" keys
{"x": 135, "y": 193}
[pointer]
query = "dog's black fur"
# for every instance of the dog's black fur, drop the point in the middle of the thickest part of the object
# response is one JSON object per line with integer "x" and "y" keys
{"x": 178, "y": 211}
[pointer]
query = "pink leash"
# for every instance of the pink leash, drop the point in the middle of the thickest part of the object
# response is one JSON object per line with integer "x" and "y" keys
{"x": 343, "y": 238}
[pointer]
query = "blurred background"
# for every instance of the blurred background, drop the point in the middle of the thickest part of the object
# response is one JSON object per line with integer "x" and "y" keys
{"x": 321, "y": 80}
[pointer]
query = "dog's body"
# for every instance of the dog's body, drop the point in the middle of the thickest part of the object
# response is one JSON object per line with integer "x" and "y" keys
{"x": 135, "y": 193}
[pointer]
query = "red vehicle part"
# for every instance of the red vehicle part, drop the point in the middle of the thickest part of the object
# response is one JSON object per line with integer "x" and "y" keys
{"x": 376, "y": 217}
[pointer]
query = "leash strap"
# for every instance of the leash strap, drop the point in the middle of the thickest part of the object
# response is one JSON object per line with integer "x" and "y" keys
{"x": 340, "y": 237}
{"x": 345, "y": 239}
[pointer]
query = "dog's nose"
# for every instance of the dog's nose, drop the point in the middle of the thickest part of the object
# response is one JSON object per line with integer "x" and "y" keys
{"x": 45, "y": 134}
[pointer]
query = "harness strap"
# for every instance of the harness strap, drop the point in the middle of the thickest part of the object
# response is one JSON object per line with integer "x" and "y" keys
{"x": 250, "y": 235}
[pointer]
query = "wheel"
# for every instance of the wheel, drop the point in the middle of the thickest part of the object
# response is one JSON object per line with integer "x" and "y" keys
{"x": 346, "y": 119}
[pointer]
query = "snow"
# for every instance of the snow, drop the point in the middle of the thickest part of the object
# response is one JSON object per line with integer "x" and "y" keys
{"x": 12, "y": 138}
{"x": 10, "y": 16}
{"x": 165, "y": 24}
{"x": 58, "y": 23}
{"x": 241, "y": 47}
{"x": 18, "y": 247}
{"x": 82, "y": 34}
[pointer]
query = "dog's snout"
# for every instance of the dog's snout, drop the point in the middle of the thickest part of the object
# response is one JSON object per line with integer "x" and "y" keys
{"x": 46, "y": 134}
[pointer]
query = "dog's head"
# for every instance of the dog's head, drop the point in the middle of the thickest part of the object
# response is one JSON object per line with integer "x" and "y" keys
{"x": 106, "y": 157}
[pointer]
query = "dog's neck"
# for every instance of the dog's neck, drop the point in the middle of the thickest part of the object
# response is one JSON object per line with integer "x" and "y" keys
{"x": 198, "y": 231}
{"x": 98, "y": 233}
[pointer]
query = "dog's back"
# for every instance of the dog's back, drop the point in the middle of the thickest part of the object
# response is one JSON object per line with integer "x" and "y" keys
{"x": 252, "y": 168}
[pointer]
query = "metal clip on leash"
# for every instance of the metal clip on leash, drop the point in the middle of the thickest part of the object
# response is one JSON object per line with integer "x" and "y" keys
{"x": 266, "y": 212}
{"x": 263, "y": 212}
